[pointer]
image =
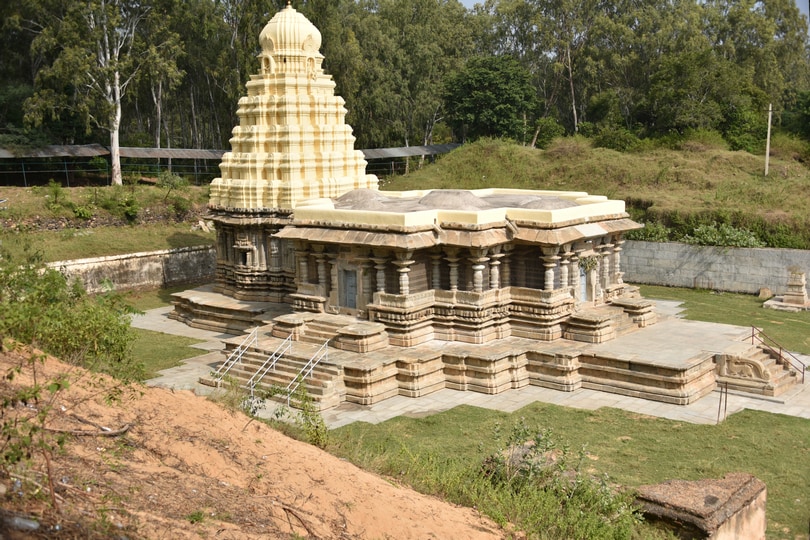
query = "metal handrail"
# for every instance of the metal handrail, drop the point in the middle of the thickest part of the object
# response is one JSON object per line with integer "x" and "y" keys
{"x": 319, "y": 355}
{"x": 236, "y": 354}
{"x": 786, "y": 356}
{"x": 269, "y": 364}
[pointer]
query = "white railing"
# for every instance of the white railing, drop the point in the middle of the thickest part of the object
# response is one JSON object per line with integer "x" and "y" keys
{"x": 236, "y": 355}
{"x": 269, "y": 364}
{"x": 306, "y": 371}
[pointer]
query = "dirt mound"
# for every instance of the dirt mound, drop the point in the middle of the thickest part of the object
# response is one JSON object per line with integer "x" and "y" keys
{"x": 162, "y": 464}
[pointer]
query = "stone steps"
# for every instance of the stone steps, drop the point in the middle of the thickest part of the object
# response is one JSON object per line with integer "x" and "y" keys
{"x": 754, "y": 370}
{"x": 324, "y": 385}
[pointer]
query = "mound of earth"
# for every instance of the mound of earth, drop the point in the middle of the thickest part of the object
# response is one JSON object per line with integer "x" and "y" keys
{"x": 154, "y": 463}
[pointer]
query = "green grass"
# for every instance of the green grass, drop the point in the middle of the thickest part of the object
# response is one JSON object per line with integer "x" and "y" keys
{"x": 158, "y": 351}
{"x": 71, "y": 244}
{"x": 791, "y": 330}
{"x": 437, "y": 454}
{"x": 31, "y": 218}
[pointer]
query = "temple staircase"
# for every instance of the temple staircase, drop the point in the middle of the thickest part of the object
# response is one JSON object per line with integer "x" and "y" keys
{"x": 302, "y": 360}
{"x": 758, "y": 367}
{"x": 609, "y": 321}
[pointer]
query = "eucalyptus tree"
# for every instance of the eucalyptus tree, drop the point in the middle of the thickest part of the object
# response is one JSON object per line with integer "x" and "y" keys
{"x": 94, "y": 52}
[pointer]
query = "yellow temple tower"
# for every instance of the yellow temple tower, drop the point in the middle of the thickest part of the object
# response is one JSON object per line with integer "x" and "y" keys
{"x": 292, "y": 144}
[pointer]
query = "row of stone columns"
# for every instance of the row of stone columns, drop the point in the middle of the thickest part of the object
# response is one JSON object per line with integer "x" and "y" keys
{"x": 560, "y": 265}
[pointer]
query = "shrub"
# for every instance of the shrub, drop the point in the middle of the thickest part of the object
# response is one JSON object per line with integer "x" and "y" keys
{"x": 39, "y": 307}
{"x": 615, "y": 138}
{"x": 700, "y": 140}
{"x": 548, "y": 129}
{"x": 722, "y": 235}
{"x": 652, "y": 232}
{"x": 569, "y": 147}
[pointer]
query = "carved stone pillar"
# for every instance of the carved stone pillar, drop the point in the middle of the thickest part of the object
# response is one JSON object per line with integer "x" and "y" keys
{"x": 320, "y": 259}
{"x": 494, "y": 268}
{"x": 506, "y": 266}
{"x": 333, "y": 275}
{"x": 452, "y": 261}
{"x": 275, "y": 254}
{"x": 564, "y": 262}
{"x": 617, "y": 262}
{"x": 302, "y": 255}
{"x": 478, "y": 262}
{"x": 379, "y": 265}
{"x": 576, "y": 284}
{"x": 404, "y": 263}
{"x": 550, "y": 260}
{"x": 365, "y": 266}
{"x": 435, "y": 272}
{"x": 606, "y": 265}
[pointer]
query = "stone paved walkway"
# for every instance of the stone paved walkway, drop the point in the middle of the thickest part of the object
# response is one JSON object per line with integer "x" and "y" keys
{"x": 705, "y": 411}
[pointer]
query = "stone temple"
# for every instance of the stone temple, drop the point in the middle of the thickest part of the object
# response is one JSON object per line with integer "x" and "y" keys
{"x": 405, "y": 293}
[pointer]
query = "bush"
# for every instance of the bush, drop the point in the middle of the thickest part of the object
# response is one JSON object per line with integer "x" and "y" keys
{"x": 699, "y": 140}
{"x": 532, "y": 467}
{"x": 39, "y": 307}
{"x": 569, "y": 147}
{"x": 652, "y": 232}
{"x": 616, "y": 138}
{"x": 722, "y": 235}
{"x": 548, "y": 129}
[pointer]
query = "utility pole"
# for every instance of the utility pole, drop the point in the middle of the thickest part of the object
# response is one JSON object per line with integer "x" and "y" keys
{"x": 768, "y": 139}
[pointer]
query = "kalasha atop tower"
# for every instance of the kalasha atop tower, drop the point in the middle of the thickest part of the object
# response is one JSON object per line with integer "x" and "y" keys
{"x": 292, "y": 144}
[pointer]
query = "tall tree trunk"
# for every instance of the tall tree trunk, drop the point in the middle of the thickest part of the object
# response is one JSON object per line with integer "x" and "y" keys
{"x": 571, "y": 85}
{"x": 115, "y": 128}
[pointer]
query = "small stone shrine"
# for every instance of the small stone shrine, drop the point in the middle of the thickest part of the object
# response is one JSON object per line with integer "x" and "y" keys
{"x": 795, "y": 298}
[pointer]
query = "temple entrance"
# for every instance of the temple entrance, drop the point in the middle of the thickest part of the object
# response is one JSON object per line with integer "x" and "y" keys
{"x": 347, "y": 297}
{"x": 584, "y": 295}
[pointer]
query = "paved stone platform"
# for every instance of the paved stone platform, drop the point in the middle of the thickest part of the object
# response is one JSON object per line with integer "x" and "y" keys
{"x": 673, "y": 339}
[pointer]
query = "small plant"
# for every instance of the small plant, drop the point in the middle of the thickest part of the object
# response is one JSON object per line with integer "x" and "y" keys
{"x": 23, "y": 415}
{"x": 196, "y": 517}
{"x": 170, "y": 182}
{"x": 55, "y": 195}
{"x": 82, "y": 212}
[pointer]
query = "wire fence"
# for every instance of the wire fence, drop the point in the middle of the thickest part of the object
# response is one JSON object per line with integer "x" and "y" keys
{"x": 81, "y": 171}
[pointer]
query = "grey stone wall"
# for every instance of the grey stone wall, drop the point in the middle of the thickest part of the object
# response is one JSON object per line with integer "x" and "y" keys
{"x": 142, "y": 270}
{"x": 718, "y": 268}
{"x": 652, "y": 263}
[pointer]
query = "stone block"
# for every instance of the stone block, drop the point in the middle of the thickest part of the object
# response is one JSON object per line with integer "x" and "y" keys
{"x": 732, "y": 507}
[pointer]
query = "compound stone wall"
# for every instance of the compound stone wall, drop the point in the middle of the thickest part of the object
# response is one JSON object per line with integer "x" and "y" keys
{"x": 651, "y": 263}
{"x": 744, "y": 270}
{"x": 142, "y": 270}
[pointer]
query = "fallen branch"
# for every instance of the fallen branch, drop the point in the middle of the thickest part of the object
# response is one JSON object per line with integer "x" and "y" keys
{"x": 290, "y": 511}
{"x": 86, "y": 433}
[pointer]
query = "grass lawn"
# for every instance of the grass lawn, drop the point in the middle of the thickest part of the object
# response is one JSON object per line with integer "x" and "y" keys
{"x": 157, "y": 350}
{"x": 437, "y": 454}
{"x": 791, "y": 330}
{"x": 71, "y": 244}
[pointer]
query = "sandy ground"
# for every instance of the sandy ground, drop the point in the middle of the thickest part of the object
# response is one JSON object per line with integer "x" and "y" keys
{"x": 162, "y": 464}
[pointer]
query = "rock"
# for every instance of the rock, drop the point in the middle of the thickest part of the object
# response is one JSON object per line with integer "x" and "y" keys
{"x": 765, "y": 293}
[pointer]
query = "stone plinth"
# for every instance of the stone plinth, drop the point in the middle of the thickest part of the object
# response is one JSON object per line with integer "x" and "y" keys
{"x": 729, "y": 508}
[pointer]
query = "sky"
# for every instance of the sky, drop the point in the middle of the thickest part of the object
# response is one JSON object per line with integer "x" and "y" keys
{"x": 803, "y": 4}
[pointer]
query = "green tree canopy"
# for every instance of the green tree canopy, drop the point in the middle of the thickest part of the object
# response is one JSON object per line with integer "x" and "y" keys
{"x": 491, "y": 97}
